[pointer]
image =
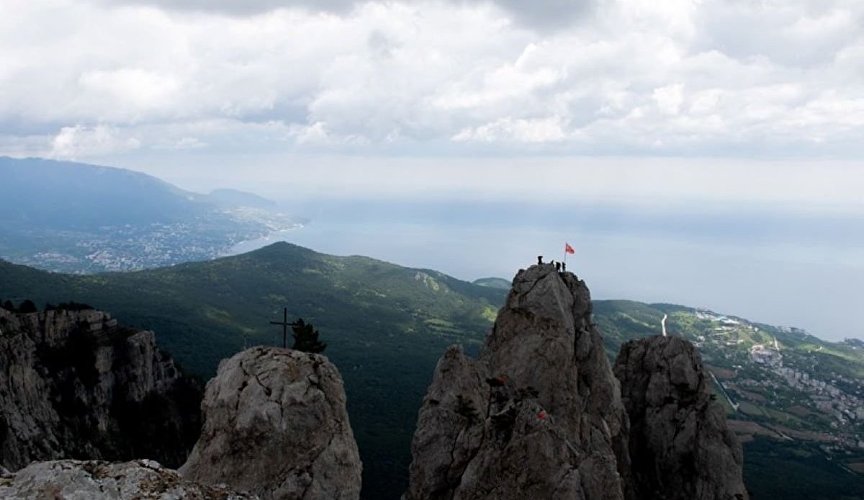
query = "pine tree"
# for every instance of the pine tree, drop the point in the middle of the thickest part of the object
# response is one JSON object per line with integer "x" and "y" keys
{"x": 27, "y": 307}
{"x": 306, "y": 337}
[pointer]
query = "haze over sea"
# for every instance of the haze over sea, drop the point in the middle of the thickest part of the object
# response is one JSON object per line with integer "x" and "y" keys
{"x": 790, "y": 262}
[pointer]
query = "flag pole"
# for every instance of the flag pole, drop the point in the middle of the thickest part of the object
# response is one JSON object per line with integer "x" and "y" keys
{"x": 567, "y": 249}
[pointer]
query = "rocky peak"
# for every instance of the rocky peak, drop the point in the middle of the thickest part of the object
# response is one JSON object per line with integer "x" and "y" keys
{"x": 538, "y": 414}
{"x": 275, "y": 425}
{"x": 76, "y": 384}
{"x": 680, "y": 445}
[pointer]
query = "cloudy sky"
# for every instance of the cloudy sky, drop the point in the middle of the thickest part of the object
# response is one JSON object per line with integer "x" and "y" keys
{"x": 732, "y": 78}
{"x": 672, "y": 134}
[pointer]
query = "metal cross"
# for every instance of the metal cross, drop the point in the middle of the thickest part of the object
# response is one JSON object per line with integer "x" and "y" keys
{"x": 285, "y": 324}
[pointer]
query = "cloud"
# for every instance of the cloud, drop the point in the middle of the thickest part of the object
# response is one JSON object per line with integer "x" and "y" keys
{"x": 537, "y": 14}
{"x": 539, "y": 130}
{"x": 240, "y": 8}
{"x": 78, "y": 141}
{"x": 617, "y": 77}
{"x": 669, "y": 98}
{"x": 548, "y": 14}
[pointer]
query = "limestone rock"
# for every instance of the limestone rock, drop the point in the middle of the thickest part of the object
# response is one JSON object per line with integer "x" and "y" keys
{"x": 94, "y": 480}
{"x": 275, "y": 425}
{"x": 680, "y": 445}
{"x": 74, "y": 384}
{"x": 537, "y": 415}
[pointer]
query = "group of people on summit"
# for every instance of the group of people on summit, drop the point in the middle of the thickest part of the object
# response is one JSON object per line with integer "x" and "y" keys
{"x": 559, "y": 266}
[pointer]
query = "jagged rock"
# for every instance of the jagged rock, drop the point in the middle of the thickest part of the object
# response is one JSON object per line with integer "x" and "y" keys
{"x": 74, "y": 384}
{"x": 94, "y": 480}
{"x": 537, "y": 415}
{"x": 275, "y": 425}
{"x": 679, "y": 443}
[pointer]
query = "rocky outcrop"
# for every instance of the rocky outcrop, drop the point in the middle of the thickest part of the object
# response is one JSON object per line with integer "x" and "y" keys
{"x": 75, "y": 384}
{"x": 94, "y": 480}
{"x": 275, "y": 425}
{"x": 537, "y": 415}
{"x": 679, "y": 443}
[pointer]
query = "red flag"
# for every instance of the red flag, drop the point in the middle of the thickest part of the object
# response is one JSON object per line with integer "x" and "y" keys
{"x": 568, "y": 248}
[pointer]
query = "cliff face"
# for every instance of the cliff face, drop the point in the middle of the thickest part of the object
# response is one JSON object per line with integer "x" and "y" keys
{"x": 74, "y": 384}
{"x": 538, "y": 415}
{"x": 679, "y": 442}
{"x": 275, "y": 425}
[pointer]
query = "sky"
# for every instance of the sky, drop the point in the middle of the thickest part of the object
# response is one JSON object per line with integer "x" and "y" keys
{"x": 704, "y": 152}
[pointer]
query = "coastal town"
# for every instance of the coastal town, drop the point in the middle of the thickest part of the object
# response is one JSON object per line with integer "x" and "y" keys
{"x": 134, "y": 247}
{"x": 783, "y": 383}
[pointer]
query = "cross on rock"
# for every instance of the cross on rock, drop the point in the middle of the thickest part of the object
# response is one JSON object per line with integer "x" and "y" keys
{"x": 285, "y": 324}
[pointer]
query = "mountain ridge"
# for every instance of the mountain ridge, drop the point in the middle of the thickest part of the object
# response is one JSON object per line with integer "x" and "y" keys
{"x": 77, "y": 217}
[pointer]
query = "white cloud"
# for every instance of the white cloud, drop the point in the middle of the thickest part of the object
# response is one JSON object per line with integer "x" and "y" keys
{"x": 508, "y": 130}
{"x": 80, "y": 141}
{"x": 139, "y": 90}
{"x": 669, "y": 98}
{"x": 678, "y": 77}
{"x": 240, "y": 8}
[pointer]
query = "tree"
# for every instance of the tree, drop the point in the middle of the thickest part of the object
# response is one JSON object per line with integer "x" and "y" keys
{"x": 306, "y": 337}
{"x": 27, "y": 307}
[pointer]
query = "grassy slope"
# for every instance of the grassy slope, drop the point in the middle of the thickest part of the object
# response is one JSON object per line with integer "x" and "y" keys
{"x": 493, "y": 283}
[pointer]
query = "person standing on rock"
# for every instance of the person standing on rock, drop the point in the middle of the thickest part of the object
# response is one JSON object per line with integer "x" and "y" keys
{"x": 539, "y": 260}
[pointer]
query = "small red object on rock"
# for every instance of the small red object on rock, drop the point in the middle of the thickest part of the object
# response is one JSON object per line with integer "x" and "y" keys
{"x": 541, "y": 415}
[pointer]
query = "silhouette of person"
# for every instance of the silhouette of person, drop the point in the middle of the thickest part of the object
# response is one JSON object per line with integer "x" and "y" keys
{"x": 558, "y": 266}
{"x": 539, "y": 260}
{"x": 564, "y": 267}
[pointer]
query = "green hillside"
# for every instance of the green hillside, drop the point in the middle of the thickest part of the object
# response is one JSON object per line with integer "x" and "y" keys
{"x": 385, "y": 325}
{"x": 499, "y": 283}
